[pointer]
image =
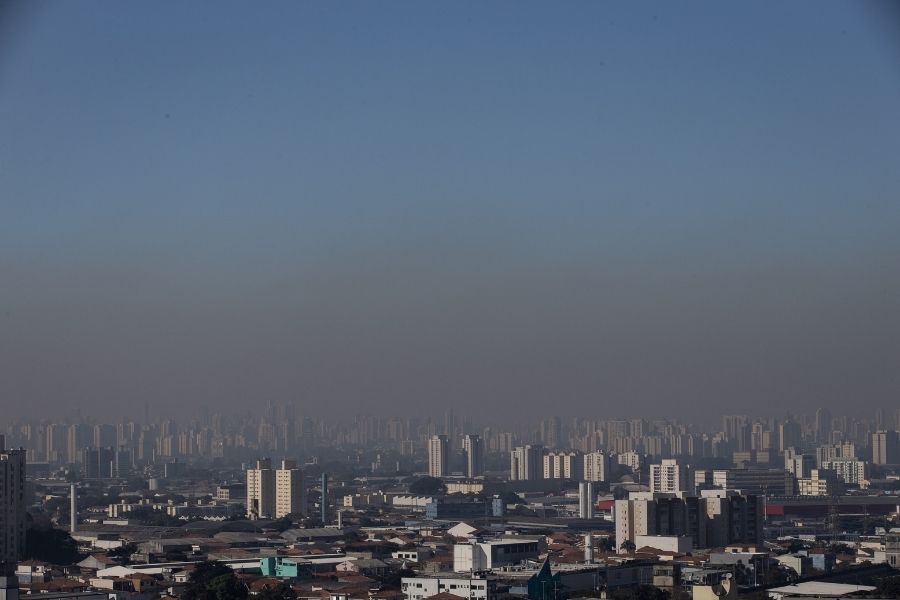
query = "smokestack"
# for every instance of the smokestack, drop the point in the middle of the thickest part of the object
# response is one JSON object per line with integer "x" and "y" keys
{"x": 73, "y": 509}
{"x": 588, "y": 548}
{"x": 340, "y": 520}
{"x": 323, "y": 503}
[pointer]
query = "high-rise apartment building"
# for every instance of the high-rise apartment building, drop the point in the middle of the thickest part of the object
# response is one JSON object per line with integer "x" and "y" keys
{"x": 563, "y": 465}
{"x": 438, "y": 456}
{"x": 473, "y": 446}
{"x": 288, "y": 490}
{"x": 885, "y": 448}
{"x": 716, "y": 518}
{"x": 526, "y": 463}
{"x": 596, "y": 466}
{"x": 671, "y": 477}
{"x": 261, "y": 490}
{"x": 12, "y": 508}
{"x": 274, "y": 493}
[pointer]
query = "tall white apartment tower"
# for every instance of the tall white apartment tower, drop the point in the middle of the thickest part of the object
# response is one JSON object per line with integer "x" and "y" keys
{"x": 438, "y": 456}
{"x": 526, "y": 463}
{"x": 474, "y": 449}
{"x": 596, "y": 466}
{"x": 288, "y": 490}
{"x": 669, "y": 476}
{"x": 261, "y": 490}
{"x": 12, "y": 508}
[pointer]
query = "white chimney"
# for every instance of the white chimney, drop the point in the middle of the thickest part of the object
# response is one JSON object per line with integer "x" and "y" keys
{"x": 73, "y": 509}
{"x": 588, "y": 548}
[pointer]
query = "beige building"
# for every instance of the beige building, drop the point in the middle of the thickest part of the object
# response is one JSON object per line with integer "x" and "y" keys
{"x": 274, "y": 493}
{"x": 563, "y": 465}
{"x": 671, "y": 477}
{"x": 438, "y": 456}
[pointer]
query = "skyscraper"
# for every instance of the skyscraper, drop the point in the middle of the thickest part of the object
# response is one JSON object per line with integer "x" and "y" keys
{"x": 274, "y": 493}
{"x": 12, "y": 508}
{"x": 885, "y": 448}
{"x": 438, "y": 456}
{"x": 474, "y": 449}
{"x": 596, "y": 466}
{"x": 669, "y": 476}
{"x": 526, "y": 463}
{"x": 261, "y": 490}
{"x": 288, "y": 490}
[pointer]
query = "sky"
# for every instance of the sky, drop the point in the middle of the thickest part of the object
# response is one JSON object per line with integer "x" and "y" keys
{"x": 512, "y": 208}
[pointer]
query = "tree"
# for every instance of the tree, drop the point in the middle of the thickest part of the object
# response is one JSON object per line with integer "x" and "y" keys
{"x": 889, "y": 587}
{"x": 43, "y": 542}
{"x": 640, "y": 592}
{"x": 628, "y": 546}
{"x": 427, "y": 486}
{"x": 212, "y": 580}
{"x": 282, "y": 591}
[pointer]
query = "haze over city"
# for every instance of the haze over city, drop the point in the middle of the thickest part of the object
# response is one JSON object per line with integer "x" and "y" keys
{"x": 662, "y": 210}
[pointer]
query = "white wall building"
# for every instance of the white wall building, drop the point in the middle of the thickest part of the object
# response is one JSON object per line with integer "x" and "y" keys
{"x": 596, "y": 466}
{"x": 438, "y": 456}
{"x": 671, "y": 477}
{"x": 274, "y": 493}
{"x": 472, "y": 588}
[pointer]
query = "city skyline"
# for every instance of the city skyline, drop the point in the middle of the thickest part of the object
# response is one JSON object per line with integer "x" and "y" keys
{"x": 686, "y": 209}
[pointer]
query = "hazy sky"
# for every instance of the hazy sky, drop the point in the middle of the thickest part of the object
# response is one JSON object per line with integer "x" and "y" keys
{"x": 619, "y": 209}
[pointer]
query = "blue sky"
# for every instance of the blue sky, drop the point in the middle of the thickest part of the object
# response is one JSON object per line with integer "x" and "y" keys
{"x": 587, "y": 205}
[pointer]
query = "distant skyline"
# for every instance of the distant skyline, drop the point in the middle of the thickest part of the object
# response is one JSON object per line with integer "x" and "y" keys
{"x": 614, "y": 209}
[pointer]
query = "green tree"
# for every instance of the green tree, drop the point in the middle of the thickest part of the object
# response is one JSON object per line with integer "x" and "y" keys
{"x": 282, "y": 591}
{"x": 212, "y": 580}
{"x": 427, "y": 486}
{"x": 45, "y": 543}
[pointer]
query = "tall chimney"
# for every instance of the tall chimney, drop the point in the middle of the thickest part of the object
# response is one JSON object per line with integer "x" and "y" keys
{"x": 324, "y": 501}
{"x": 588, "y": 548}
{"x": 73, "y": 509}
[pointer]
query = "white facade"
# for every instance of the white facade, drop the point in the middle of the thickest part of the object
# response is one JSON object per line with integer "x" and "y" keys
{"x": 596, "y": 466}
{"x": 438, "y": 456}
{"x": 288, "y": 490}
{"x": 847, "y": 470}
{"x": 563, "y": 465}
{"x": 670, "y": 477}
{"x": 483, "y": 556}
{"x": 274, "y": 493}
{"x": 632, "y": 460}
{"x": 473, "y": 588}
{"x": 526, "y": 463}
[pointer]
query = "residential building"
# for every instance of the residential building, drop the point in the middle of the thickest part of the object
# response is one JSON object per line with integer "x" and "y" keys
{"x": 289, "y": 490}
{"x": 819, "y": 483}
{"x": 671, "y": 477}
{"x": 261, "y": 490}
{"x": 438, "y": 456}
{"x": 596, "y": 466}
{"x": 848, "y": 470}
{"x": 885, "y": 448}
{"x": 473, "y": 446}
{"x": 526, "y": 463}
{"x": 474, "y": 587}
{"x": 490, "y": 554}
{"x": 563, "y": 465}
{"x": 12, "y": 508}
